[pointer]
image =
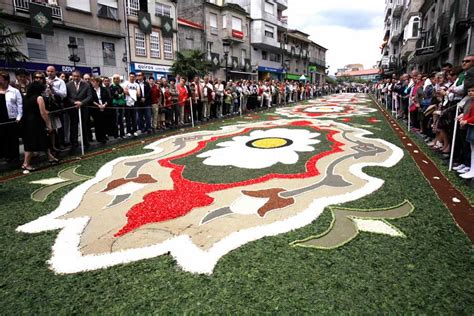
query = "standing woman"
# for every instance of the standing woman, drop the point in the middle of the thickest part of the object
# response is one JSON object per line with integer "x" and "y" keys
{"x": 100, "y": 101}
{"x": 11, "y": 110}
{"x": 36, "y": 123}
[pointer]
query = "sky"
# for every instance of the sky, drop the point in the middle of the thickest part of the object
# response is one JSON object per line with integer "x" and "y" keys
{"x": 351, "y": 30}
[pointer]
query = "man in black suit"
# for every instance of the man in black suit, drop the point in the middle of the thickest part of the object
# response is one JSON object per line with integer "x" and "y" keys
{"x": 144, "y": 104}
{"x": 79, "y": 95}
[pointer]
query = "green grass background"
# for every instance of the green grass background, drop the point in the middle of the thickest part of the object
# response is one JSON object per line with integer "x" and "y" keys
{"x": 429, "y": 272}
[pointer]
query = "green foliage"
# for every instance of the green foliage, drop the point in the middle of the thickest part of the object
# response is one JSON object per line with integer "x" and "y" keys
{"x": 190, "y": 63}
{"x": 9, "y": 42}
{"x": 330, "y": 80}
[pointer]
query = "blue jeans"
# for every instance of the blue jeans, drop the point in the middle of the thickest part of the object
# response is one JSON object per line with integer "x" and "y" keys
{"x": 144, "y": 119}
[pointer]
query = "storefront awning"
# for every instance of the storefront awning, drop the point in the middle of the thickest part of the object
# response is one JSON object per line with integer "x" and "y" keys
{"x": 243, "y": 73}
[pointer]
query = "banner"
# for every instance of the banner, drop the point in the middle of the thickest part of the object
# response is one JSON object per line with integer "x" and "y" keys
{"x": 248, "y": 66}
{"x": 215, "y": 61}
{"x": 144, "y": 20}
{"x": 166, "y": 27}
{"x": 41, "y": 19}
{"x": 235, "y": 62}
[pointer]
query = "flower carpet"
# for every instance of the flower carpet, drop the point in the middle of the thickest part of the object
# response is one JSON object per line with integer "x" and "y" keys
{"x": 315, "y": 207}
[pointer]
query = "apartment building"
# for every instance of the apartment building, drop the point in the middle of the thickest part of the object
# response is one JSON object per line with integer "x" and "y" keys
{"x": 56, "y": 31}
{"x": 152, "y": 31}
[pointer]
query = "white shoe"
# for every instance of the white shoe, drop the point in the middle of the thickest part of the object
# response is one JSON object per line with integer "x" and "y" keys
{"x": 128, "y": 135}
{"x": 135, "y": 134}
{"x": 464, "y": 170}
{"x": 467, "y": 175}
{"x": 458, "y": 167}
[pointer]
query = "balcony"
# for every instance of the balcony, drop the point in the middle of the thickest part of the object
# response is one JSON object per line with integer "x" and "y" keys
{"x": 24, "y": 6}
{"x": 233, "y": 35}
{"x": 395, "y": 36}
{"x": 398, "y": 10}
{"x": 282, "y": 4}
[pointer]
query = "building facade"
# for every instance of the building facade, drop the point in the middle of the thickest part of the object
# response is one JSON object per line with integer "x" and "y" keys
{"x": 211, "y": 26}
{"x": 152, "y": 31}
{"x": 317, "y": 64}
{"x": 425, "y": 34}
{"x": 93, "y": 28}
{"x": 268, "y": 27}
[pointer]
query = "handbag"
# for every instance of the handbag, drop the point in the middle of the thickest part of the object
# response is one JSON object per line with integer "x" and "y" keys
{"x": 412, "y": 108}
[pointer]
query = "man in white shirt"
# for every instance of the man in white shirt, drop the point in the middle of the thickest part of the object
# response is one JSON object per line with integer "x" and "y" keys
{"x": 58, "y": 91}
{"x": 132, "y": 93}
{"x": 11, "y": 115}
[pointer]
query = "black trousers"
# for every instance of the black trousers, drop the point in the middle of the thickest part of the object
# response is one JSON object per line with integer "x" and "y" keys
{"x": 74, "y": 128}
{"x": 100, "y": 122}
{"x": 111, "y": 127}
{"x": 9, "y": 142}
{"x": 131, "y": 119}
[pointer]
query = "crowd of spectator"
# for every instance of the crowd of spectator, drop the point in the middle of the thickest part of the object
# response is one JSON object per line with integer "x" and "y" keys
{"x": 46, "y": 109}
{"x": 438, "y": 106}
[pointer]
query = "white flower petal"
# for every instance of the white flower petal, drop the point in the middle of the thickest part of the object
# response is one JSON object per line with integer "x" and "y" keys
{"x": 237, "y": 153}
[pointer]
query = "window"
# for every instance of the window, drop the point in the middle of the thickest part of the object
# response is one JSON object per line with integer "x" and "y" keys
{"x": 268, "y": 31}
{"x": 274, "y": 57}
{"x": 224, "y": 21}
{"x": 81, "y": 50}
{"x": 79, "y": 4}
{"x": 133, "y": 6}
{"x": 416, "y": 26}
{"x": 155, "y": 45}
{"x": 107, "y": 9}
{"x": 36, "y": 46}
{"x": 162, "y": 9}
{"x": 168, "y": 48}
{"x": 140, "y": 48}
{"x": 236, "y": 24}
{"x": 243, "y": 56}
{"x": 264, "y": 55}
{"x": 209, "y": 47}
{"x": 189, "y": 43}
{"x": 213, "y": 23}
{"x": 108, "y": 52}
{"x": 269, "y": 7}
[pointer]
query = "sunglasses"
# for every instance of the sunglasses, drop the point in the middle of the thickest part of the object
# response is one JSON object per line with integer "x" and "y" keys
{"x": 465, "y": 61}
{"x": 38, "y": 77}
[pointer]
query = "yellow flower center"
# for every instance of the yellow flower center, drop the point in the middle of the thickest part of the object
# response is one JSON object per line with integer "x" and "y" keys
{"x": 270, "y": 143}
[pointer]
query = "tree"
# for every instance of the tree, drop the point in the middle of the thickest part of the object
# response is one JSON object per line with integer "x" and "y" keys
{"x": 190, "y": 63}
{"x": 9, "y": 41}
{"x": 330, "y": 80}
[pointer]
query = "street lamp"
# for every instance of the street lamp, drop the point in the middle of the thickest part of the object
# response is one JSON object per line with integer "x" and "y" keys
{"x": 73, "y": 51}
{"x": 226, "y": 47}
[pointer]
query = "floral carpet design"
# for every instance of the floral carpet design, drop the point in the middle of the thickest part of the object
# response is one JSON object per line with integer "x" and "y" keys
{"x": 333, "y": 107}
{"x": 274, "y": 176}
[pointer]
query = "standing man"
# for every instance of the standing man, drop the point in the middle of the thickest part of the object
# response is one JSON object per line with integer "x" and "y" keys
{"x": 79, "y": 96}
{"x": 58, "y": 95}
{"x": 132, "y": 93}
{"x": 199, "y": 99}
{"x": 144, "y": 104}
{"x": 208, "y": 91}
{"x": 11, "y": 111}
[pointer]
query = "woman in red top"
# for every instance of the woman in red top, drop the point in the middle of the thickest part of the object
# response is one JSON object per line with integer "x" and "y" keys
{"x": 468, "y": 120}
{"x": 155, "y": 103}
{"x": 182, "y": 98}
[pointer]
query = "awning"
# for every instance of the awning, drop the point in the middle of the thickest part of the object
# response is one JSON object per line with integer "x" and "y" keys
{"x": 303, "y": 78}
{"x": 243, "y": 73}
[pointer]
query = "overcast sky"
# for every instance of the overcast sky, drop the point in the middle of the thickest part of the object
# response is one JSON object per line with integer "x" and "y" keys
{"x": 351, "y": 30}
